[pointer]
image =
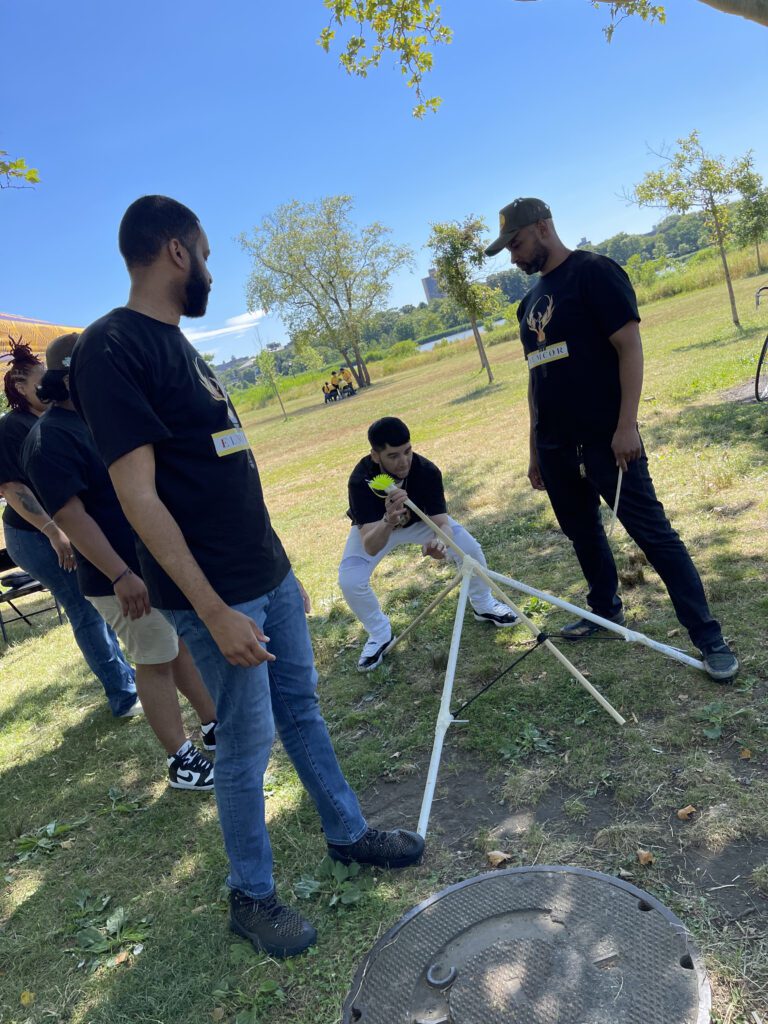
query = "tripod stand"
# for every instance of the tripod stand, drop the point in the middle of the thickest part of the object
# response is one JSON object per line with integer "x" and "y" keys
{"x": 471, "y": 567}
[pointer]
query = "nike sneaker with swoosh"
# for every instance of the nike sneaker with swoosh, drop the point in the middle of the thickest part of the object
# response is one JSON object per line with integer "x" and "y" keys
{"x": 189, "y": 769}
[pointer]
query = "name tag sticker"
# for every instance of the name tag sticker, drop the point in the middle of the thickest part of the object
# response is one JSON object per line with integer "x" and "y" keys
{"x": 227, "y": 442}
{"x": 548, "y": 354}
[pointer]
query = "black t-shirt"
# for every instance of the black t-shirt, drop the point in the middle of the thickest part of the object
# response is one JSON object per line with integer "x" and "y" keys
{"x": 138, "y": 381}
{"x": 424, "y": 486}
{"x": 62, "y": 462}
{"x": 14, "y": 427}
{"x": 566, "y": 320}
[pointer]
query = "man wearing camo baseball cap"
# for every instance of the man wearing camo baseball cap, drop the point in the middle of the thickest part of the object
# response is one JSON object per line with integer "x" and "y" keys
{"x": 580, "y": 329}
{"x": 519, "y": 214}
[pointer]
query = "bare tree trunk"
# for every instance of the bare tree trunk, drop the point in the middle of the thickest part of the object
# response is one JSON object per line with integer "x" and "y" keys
{"x": 481, "y": 349}
{"x": 277, "y": 392}
{"x": 357, "y": 366}
{"x": 759, "y": 260}
{"x": 721, "y": 246}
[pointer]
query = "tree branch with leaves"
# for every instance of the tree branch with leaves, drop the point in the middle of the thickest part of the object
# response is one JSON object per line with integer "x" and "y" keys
{"x": 15, "y": 173}
{"x": 322, "y": 275}
{"x": 459, "y": 252}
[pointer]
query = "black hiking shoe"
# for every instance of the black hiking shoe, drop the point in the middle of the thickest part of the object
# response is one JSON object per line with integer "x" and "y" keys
{"x": 395, "y": 849}
{"x": 583, "y": 628}
{"x": 720, "y": 663}
{"x": 272, "y": 927}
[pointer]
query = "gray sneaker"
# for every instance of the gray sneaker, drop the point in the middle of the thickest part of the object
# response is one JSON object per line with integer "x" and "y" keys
{"x": 720, "y": 663}
{"x": 583, "y": 628}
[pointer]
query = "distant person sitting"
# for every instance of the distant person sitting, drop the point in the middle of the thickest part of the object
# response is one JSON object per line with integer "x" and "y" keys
{"x": 327, "y": 392}
{"x": 379, "y": 526}
{"x": 336, "y": 385}
{"x": 60, "y": 458}
{"x": 347, "y": 381}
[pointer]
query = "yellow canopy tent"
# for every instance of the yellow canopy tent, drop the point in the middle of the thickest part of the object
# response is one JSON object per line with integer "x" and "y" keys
{"x": 36, "y": 333}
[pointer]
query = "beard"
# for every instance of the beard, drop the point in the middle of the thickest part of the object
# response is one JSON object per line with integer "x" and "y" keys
{"x": 196, "y": 291}
{"x": 536, "y": 262}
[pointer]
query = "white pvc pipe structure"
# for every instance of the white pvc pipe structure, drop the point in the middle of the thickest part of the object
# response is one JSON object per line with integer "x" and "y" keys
{"x": 470, "y": 567}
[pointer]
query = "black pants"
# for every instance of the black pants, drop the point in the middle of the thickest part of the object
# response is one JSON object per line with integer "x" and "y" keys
{"x": 576, "y": 503}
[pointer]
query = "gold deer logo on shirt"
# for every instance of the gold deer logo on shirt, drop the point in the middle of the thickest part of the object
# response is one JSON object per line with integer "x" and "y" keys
{"x": 209, "y": 382}
{"x": 538, "y": 321}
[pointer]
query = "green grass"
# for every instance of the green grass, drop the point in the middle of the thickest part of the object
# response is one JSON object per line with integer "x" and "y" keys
{"x": 539, "y": 772}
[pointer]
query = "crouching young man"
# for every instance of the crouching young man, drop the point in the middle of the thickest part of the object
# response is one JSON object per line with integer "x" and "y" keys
{"x": 379, "y": 526}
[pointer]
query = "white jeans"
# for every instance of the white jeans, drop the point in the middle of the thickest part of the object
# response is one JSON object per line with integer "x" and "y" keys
{"x": 357, "y": 568}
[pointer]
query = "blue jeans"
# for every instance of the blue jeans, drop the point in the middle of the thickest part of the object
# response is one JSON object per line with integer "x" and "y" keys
{"x": 250, "y": 702}
{"x": 31, "y": 550}
{"x": 576, "y": 503}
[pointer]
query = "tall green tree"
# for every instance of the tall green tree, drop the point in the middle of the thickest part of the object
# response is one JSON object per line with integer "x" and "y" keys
{"x": 265, "y": 360}
{"x": 409, "y": 29}
{"x": 15, "y": 173}
{"x": 323, "y": 276}
{"x": 459, "y": 252}
{"x": 750, "y": 221}
{"x": 693, "y": 178}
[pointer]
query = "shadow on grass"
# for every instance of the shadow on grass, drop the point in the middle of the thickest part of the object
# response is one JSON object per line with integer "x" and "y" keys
{"x": 481, "y": 391}
{"x": 735, "y": 424}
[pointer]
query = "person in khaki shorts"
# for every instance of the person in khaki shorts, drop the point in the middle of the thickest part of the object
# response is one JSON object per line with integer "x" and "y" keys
{"x": 74, "y": 487}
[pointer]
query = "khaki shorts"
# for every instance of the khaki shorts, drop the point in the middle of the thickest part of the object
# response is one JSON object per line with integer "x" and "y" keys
{"x": 150, "y": 640}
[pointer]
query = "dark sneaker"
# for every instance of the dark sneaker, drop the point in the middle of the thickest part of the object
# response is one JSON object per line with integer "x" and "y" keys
{"x": 720, "y": 663}
{"x": 208, "y": 730}
{"x": 498, "y": 615}
{"x": 582, "y": 628}
{"x": 396, "y": 849}
{"x": 189, "y": 769}
{"x": 272, "y": 927}
{"x": 372, "y": 655}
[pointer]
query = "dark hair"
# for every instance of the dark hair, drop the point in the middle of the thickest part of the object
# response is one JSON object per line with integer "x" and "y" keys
{"x": 389, "y": 430}
{"x": 52, "y": 387}
{"x": 149, "y": 223}
{"x": 23, "y": 360}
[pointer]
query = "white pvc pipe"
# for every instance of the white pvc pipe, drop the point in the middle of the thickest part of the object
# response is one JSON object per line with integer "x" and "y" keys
{"x": 628, "y": 634}
{"x": 615, "y": 516}
{"x": 444, "y": 717}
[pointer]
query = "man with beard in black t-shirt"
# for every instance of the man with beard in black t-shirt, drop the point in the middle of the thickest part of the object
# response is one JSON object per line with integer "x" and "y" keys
{"x": 188, "y": 483}
{"x": 379, "y": 525}
{"x": 579, "y": 326}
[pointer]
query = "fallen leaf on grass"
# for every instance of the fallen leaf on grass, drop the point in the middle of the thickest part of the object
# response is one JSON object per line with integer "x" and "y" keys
{"x": 686, "y": 813}
{"x": 673, "y": 632}
{"x": 122, "y": 956}
{"x": 745, "y": 754}
{"x": 497, "y": 857}
{"x": 626, "y": 875}
{"x": 27, "y": 998}
{"x": 217, "y": 1013}
{"x": 645, "y": 857}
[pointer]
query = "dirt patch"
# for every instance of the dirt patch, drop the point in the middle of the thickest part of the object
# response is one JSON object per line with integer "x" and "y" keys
{"x": 743, "y": 394}
{"x": 470, "y": 815}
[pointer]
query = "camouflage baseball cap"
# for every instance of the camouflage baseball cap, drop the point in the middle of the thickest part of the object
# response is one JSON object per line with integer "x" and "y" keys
{"x": 519, "y": 214}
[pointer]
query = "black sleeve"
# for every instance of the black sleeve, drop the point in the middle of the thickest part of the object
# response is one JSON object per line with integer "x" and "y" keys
{"x": 109, "y": 389}
{"x": 57, "y": 472}
{"x": 610, "y": 295}
{"x": 434, "y": 500}
{"x": 12, "y": 435}
{"x": 364, "y": 505}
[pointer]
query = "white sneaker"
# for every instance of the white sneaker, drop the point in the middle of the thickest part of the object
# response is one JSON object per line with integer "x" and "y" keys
{"x": 134, "y": 709}
{"x": 372, "y": 654}
{"x": 498, "y": 614}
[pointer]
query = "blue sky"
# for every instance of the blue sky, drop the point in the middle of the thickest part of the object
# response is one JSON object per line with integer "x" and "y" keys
{"x": 233, "y": 109}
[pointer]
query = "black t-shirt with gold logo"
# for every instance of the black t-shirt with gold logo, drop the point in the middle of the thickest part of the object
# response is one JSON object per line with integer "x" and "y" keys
{"x": 566, "y": 320}
{"x": 138, "y": 381}
{"x": 424, "y": 486}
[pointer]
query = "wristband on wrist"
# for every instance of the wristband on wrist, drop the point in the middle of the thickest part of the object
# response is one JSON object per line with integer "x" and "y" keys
{"x": 45, "y": 526}
{"x": 125, "y": 572}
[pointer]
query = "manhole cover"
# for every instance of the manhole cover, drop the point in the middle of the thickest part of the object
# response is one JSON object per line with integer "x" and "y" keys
{"x": 543, "y": 945}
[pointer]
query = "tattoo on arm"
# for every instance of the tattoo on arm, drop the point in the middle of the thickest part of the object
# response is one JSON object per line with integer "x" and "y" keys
{"x": 29, "y": 502}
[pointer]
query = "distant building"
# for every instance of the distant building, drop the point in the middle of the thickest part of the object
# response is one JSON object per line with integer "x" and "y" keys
{"x": 432, "y": 289}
